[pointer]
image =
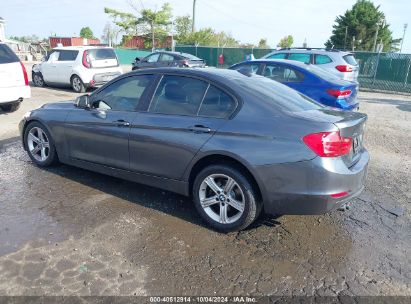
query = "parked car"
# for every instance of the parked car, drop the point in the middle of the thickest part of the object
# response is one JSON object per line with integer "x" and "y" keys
{"x": 236, "y": 144}
{"x": 14, "y": 83}
{"x": 79, "y": 67}
{"x": 339, "y": 63}
{"x": 168, "y": 59}
{"x": 308, "y": 79}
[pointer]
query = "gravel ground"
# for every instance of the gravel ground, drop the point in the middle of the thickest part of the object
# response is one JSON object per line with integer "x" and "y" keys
{"x": 67, "y": 231}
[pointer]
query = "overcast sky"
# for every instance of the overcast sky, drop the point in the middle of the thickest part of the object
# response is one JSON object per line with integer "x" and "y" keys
{"x": 246, "y": 20}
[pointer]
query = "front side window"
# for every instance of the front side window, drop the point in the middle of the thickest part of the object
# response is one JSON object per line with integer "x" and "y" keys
{"x": 124, "y": 94}
{"x": 217, "y": 104}
{"x": 322, "y": 59}
{"x": 178, "y": 95}
{"x": 153, "y": 58}
{"x": 300, "y": 57}
{"x": 277, "y": 56}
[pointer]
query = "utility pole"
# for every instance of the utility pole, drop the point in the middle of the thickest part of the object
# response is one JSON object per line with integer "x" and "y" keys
{"x": 403, "y": 36}
{"x": 381, "y": 23}
{"x": 193, "y": 28}
{"x": 345, "y": 38}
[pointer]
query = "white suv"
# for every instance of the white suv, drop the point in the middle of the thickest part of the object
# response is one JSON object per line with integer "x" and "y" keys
{"x": 80, "y": 67}
{"x": 14, "y": 83}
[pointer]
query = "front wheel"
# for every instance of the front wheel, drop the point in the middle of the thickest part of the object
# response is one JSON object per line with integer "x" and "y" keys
{"x": 40, "y": 145}
{"x": 38, "y": 80}
{"x": 77, "y": 84}
{"x": 225, "y": 198}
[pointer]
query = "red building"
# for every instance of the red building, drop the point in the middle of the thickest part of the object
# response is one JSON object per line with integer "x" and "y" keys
{"x": 72, "y": 41}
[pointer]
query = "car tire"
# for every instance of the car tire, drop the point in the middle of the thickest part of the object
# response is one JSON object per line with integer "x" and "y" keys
{"x": 38, "y": 80}
{"x": 231, "y": 210}
{"x": 77, "y": 84}
{"x": 12, "y": 107}
{"x": 36, "y": 137}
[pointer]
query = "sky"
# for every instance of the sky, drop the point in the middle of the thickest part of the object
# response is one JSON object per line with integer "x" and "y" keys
{"x": 246, "y": 20}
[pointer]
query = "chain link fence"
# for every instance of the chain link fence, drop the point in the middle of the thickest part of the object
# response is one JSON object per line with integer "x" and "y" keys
{"x": 378, "y": 71}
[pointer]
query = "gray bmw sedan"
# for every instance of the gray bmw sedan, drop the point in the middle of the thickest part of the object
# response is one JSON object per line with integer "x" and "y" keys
{"x": 237, "y": 144}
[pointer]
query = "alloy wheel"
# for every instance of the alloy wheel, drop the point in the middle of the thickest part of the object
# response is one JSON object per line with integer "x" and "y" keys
{"x": 38, "y": 144}
{"x": 221, "y": 198}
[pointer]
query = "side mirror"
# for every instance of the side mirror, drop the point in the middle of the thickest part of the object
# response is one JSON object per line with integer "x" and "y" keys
{"x": 83, "y": 102}
{"x": 137, "y": 59}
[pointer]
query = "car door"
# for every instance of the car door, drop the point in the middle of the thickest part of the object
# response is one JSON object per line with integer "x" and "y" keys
{"x": 49, "y": 67}
{"x": 183, "y": 114}
{"x": 64, "y": 65}
{"x": 166, "y": 60}
{"x": 151, "y": 61}
{"x": 101, "y": 134}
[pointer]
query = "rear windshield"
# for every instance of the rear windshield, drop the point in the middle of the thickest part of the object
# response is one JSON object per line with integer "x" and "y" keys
{"x": 350, "y": 59}
{"x": 191, "y": 57}
{"x": 7, "y": 55}
{"x": 277, "y": 94}
{"x": 102, "y": 54}
{"x": 320, "y": 72}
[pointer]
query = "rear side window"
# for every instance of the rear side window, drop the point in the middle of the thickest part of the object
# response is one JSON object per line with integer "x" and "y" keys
{"x": 167, "y": 57}
{"x": 217, "y": 104}
{"x": 277, "y": 56}
{"x": 67, "y": 55}
{"x": 322, "y": 59}
{"x": 300, "y": 57}
{"x": 282, "y": 73}
{"x": 178, "y": 95}
{"x": 7, "y": 55}
{"x": 102, "y": 54}
{"x": 247, "y": 68}
{"x": 350, "y": 59}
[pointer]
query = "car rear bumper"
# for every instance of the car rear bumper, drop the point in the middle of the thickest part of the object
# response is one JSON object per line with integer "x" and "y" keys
{"x": 14, "y": 94}
{"x": 307, "y": 187}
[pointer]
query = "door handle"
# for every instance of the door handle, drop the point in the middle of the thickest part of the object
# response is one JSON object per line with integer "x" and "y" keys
{"x": 121, "y": 123}
{"x": 199, "y": 129}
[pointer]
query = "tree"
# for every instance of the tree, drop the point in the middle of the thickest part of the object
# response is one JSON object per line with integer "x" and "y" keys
{"x": 86, "y": 32}
{"x": 359, "y": 25}
{"x": 262, "y": 44}
{"x": 286, "y": 42}
{"x": 154, "y": 22}
{"x": 110, "y": 34}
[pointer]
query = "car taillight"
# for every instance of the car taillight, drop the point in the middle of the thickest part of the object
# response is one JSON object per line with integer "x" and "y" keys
{"x": 339, "y": 93}
{"x": 328, "y": 144}
{"x": 344, "y": 68}
{"x": 26, "y": 78}
{"x": 86, "y": 60}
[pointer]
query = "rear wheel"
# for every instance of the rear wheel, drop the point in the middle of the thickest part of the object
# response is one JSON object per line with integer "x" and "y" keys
{"x": 225, "y": 198}
{"x": 38, "y": 80}
{"x": 12, "y": 107}
{"x": 77, "y": 84}
{"x": 40, "y": 145}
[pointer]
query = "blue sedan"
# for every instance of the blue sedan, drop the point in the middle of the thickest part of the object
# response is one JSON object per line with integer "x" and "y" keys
{"x": 308, "y": 79}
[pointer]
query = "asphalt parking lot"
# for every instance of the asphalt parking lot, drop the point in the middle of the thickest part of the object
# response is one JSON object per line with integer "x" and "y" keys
{"x": 67, "y": 231}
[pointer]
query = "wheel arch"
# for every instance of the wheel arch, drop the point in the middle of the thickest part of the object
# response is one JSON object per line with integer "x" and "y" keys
{"x": 213, "y": 159}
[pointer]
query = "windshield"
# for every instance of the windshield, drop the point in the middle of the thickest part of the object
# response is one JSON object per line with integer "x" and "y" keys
{"x": 7, "y": 55}
{"x": 277, "y": 94}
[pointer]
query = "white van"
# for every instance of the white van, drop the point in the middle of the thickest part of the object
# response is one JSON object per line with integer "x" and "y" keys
{"x": 80, "y": 67}
{"x": 14, "y": 83}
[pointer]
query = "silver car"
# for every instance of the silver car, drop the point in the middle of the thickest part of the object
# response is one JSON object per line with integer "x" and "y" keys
{"x": 340, "y": 63}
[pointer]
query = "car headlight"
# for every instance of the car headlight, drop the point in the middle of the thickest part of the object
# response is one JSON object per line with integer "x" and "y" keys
{"x": 27, "y": 115}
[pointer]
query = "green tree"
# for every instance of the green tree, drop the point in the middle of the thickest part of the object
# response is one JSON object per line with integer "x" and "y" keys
{"x": 362, "y": 22}
{"x": 86, "y": 32}
{"x": 154, "y": 22}
{"x": 262, "y": 44}
{"x": 286, "y": 42}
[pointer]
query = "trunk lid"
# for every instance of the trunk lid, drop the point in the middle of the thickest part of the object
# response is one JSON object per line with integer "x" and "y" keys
{"x": 350, "y": 124}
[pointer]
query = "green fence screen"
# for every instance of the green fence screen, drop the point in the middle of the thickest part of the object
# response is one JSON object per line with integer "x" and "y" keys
{"x": 127, "y": 56}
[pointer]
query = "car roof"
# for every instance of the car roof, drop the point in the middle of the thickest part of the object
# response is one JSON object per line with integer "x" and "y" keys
{"x": 281, "y": 61}
{"x": 175, "y": 53}
{"x": 311, "y": 51}
{"x": 79, "y": 48}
